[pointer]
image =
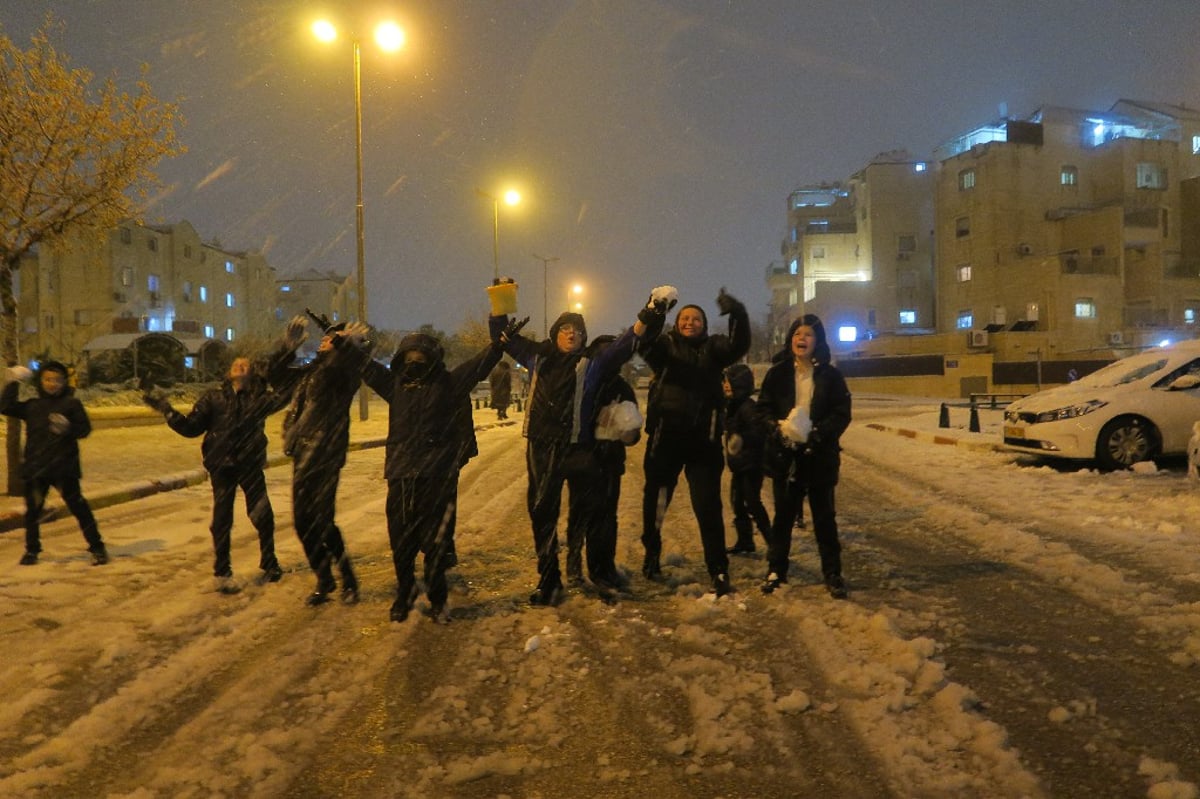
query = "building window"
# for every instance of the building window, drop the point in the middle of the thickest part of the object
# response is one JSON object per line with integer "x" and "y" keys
{"x": 127, "y": 276}
{"x": 229, "y": 334}
{"x": 151, "y": 282}
{"x": 793, "y": 297}
{"x": 83, "y": 317}
{"x": 1195, "y": 145}
{"x": 187, "y": 251}
{"x": 286, "y": 287}
{"x": 818, "y": 253}
{"x": 1098, "y": 251}
{"x": 187, "y": 291}
{"x": 229, "y": 267}
{"x": 204, "y": 294}
{"x": 1151, "y": 175}
{"x": 126, "y": 235}
{"x": 963, "y": 273}
{"x": 920, "y": 166}
{"x": 847, "y": 333}
{"x": 228, "y": 300}
{"x": 1069, "y": 175}
{"x": 906, "y": 245}
{"x": 1189, "y": 313}
{"x": 908, "y": 317}
{"x": 208, "y": 331}
{"x": 794, "y": 266}
{"x": 1085, "y": 308}
{"x": 152, "y": 244}
{"x": 1166, "y": 228}
{"x": 966, "y": 179}
{"x": 965, "y": 320}
{"x": 962, "y": 227}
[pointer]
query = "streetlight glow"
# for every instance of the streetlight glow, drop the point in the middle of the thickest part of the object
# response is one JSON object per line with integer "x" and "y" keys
{"x": 512, "y": 196}
{"x": 323, "y": 29}
{"x": 389, "y": 36}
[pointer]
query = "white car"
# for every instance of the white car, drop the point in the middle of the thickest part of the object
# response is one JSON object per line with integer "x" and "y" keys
{"x": 1135, "y": 409}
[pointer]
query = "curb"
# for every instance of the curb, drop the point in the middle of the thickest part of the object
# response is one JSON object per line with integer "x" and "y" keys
{"x": 938, "y": 438}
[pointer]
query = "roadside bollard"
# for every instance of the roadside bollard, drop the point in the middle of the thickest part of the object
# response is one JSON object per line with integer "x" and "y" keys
{"x": 974, "y": 424}
{"x": 944, "y": 416}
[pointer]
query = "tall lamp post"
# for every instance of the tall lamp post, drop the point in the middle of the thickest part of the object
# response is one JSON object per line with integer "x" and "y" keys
{"x": 511, "y": 197}
{"x": 546, "y": 261}
{"x": 390, "y": 37}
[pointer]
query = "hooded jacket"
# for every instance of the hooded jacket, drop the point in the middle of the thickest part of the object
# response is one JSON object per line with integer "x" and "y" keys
{"x": 686, "y": 395}
{"x": 431, "y": 432}
{"x": 745, "y": 431}
{"x": 318, "y": 419}
{"x": 48, "y": 455}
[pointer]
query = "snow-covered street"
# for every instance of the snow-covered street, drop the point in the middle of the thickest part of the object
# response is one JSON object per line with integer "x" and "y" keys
{"x": 1012, "y": 631}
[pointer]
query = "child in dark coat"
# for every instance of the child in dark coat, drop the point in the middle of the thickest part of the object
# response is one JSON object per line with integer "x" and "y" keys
{"x": 54, "y": 422}
{"x": 745, "y": 435}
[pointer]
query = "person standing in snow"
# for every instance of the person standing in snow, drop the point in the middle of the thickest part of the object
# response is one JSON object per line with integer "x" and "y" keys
{"x": 55, "y": 420}
{"x": 316, "y": 434}
{"x": 500, "y": 387}
{"x": 558, "y": 427}
{"x": 231, "y": 418}
{"x": 744, "y": 437}
{"x": 805, "y": 400}
{"x": 431, "y": 436}
{"x": 684, "y": 424}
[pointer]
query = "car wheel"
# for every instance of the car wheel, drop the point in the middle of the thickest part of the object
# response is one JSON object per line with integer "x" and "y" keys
{"x": 1125, "y": 441}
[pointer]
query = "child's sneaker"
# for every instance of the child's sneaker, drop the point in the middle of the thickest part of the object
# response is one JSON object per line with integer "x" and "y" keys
{"x": 29, "y": 559}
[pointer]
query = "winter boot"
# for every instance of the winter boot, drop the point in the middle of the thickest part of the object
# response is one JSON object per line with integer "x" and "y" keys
{"x": 326, "y": 585}
{"x": 722, "y": 585}
{"x": 745, "y": 538}
{"x": 836, "y": 586}
{"x": 349, "y": 582}
{"x": 99, "y": 556}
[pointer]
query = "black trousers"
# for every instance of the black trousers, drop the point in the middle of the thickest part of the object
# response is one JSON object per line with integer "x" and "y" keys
{"x": 420, "y": 518}
{"x": 789, "y": 493}
{"x": 36, "y": 490}
{"x": 225, "y": 484}
{"x": 745, "y": 500}
{"x": 315, "y": 477}
{"x": 550, "y": 465}
{"x": 701, "y": 461}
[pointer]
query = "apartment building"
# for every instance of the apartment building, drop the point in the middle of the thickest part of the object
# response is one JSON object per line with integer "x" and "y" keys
{"x": 90, "y": 297}
{"x": 326, "y": 293}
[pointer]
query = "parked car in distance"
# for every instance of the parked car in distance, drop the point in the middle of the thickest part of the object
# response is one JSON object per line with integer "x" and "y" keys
{"x": 1136, "y": 409}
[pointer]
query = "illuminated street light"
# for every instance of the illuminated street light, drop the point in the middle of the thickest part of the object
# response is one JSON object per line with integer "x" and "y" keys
{"x": 575, "y": 299}
{"x": 546, "y": 261}
{"x": 390, "y": 37}
{"x": 511, "y": 197}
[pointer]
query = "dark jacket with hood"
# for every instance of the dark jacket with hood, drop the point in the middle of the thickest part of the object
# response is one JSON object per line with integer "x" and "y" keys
{"x": 48, "y": 455}
{"x": 686, "y": 395}
{"x": 563, "y": 385}
{"x": 318, "y": 419}
{"x": 745, "y": 431}
{"x": 232, "y": 422}
{"x": 819, "y": 459}
{"x": 431, "y": 432}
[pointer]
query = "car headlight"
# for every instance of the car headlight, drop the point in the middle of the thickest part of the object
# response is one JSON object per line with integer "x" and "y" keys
{"x": 1069, "y": 412}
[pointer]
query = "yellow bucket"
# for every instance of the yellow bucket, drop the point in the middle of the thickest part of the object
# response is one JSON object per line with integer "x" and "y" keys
{"x": 503, "y": 297}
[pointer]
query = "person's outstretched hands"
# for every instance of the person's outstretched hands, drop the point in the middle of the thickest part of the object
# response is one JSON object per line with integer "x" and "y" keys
{"x": 726, "y": 302}
{"x": 294, "y": 334}
{"x": 512, "y": 329}
{"x": 355, "y": 333}
{"x": 662, "y": 299}
{"x": 22, "y": 374}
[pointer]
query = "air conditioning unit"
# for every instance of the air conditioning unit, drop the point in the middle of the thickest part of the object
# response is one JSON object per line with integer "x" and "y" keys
{"x": 1116, "y": 337}
{"x": 977, "y": 338}
{"x": 1024, "y": 249}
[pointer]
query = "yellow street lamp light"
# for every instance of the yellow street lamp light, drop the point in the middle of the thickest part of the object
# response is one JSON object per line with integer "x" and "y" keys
{"x": 511, "y": 197}
{"x": 575, "y": 299}
{"x": 390, "y": 37}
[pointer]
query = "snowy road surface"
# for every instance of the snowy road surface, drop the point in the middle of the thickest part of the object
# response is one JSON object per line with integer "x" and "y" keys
{"x": 1013, "y": 631}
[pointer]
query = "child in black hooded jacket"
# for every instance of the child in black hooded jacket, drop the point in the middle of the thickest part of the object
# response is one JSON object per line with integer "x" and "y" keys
{"x": 745, "y": 435}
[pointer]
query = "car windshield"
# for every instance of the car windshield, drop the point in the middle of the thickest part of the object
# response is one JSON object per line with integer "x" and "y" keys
{"x": 1124, "y": 371}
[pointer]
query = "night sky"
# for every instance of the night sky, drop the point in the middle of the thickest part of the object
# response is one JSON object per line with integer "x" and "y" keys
{"x": 654, "y": 141}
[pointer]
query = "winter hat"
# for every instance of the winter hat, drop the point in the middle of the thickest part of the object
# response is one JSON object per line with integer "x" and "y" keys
{"x": 329, "y": 331}
{"x": 821, "y": 353}
{"x": 423, "y": 343}
{"x": 741, "y": 379}
{"x": 703, "y": 316}
{"x": 569, "y": 318}
{"x": 53, "y": 366}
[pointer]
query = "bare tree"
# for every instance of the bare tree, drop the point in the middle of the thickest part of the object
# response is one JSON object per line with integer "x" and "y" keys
{"x": 75, "y": 160}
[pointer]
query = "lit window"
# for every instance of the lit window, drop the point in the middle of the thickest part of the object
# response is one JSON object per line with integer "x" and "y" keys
{"x": 847, "y": 333}
{"x": 151, "y": 282}
{"x": 962, "y": 227}
{"x": 1085, "y": 308}
{"x": 229, "y": 334}
{"x": 228, "y": 300}
{"x": 1189, "y": 316}
{"x": 1195, "y": 145}
{"x": 794, "y": 266}
{"x": 189, "y": 362}
{"x": 204, "y": 295}
{"x": 229, "y": 267}
{"x": 793, "y": 297}
{"x": 187, "y": 291}
{"x": 965, "y": 320}
{"x": 963, "y": 273}
{"x": 153, "y": 324}
{"x": 127, "y": 276}
{"x": 1151, "y": 175}
{"x": 1069, "y": 175}
{"x": 908, "y": 317}
{"x": 285, "y": 287}
{"x": 208, "y": 331}
{"x": 966, "y": 179}
{"x": 920, "y": 166}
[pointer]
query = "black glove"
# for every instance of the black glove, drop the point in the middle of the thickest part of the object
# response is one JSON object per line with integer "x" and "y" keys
{"x": 655, "y": 310}
{"x": 512, "y": 329}
{"x": 156, "y": 402}
{"x": 726, "y": 302}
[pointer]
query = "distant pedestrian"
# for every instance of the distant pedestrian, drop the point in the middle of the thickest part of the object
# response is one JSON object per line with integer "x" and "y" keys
{"x": 500, "y": 384}
{"x": 316, "y": 435}
{"x": 745, "y": 434}
{"x": 431, "y": 436}
{"x": 684, "y": 424}
{"x": 806, "y": 400}
{"x": 231, "y": 418}
{"x": 55, "y": 420}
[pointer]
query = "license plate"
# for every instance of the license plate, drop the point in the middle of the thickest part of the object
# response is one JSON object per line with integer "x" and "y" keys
{"x": 1013, "y": 432}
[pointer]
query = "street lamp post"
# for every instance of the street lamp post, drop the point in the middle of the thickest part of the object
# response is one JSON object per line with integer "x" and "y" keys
{"x": 546, "y": 261}
{"x": 511, "y": 197}
{"x": 389, "y": 37}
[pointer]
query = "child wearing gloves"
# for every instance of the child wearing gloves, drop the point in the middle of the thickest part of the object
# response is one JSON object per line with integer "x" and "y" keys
{"x": 806, "y": 399}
